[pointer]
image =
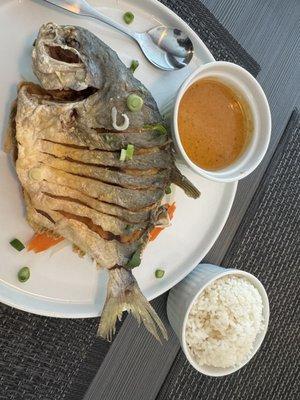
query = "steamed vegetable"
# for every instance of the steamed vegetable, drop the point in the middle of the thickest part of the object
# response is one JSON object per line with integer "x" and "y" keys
{"x": 160, "y": 129}
{"x": 134, "y": 102}
{"x": 17, "y": 244}
{"x": 24, "y": 274}
{"x": 42, "y": 241}
{"x": 159, "y": 273}
{"x": 134, "y": 64}
{"x": 127, "y": 154}
{"x": 168, "y": 190}
{"x": 128, "y": 17}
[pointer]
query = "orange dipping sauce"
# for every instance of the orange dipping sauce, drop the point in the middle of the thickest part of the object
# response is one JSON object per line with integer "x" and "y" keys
{"x": 214, "y": 124}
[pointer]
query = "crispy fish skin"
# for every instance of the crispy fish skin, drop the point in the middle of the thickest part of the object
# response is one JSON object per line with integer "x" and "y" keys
{"x": 158, "y": 159}
{"x": 74, "y": 183}
{"x": 55, "y": 207}
{"x": 105, "y": 174}
{"x": 144, "y": 139}
{"x": 123, "y": 197}
{"x": 130, "y": 217}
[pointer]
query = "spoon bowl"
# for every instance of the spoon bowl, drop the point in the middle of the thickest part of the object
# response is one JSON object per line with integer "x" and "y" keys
{"x": 170, "y": 48}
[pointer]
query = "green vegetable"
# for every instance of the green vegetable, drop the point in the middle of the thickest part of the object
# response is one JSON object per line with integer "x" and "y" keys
{"x": 134, "y": 102}
{"x": 127, "y": 154}
{"x": 123, "y": 155}
{"x": 134, "y": 64}
{"x": 128, "y": 17}
{"x": 159, "y": 128}
{"x": 168, "y": 190}
{"x": 24, "y": 274}
{"x": 129, "y": 151}
{"x": 135, "y": 259}
{"x": 17, "y": 244}
{"x": 159, "y": 273}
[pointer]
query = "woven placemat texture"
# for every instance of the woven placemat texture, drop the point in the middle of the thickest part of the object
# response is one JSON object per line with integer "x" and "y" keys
{"x": 267, "y": 245}
{"x": 53, "y": 359}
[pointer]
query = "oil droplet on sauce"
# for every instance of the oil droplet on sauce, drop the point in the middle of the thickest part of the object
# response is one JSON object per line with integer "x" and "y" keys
{"x": 214, "y": 124}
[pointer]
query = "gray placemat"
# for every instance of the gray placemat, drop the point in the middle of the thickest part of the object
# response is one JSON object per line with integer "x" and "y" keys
{"x": 52, "y": 359}
{"x": 267, "y": 245}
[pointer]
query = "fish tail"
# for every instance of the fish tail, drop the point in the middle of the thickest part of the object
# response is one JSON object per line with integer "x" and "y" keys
{"x": 123, "y": 294}
{"x": 178, "y": 179}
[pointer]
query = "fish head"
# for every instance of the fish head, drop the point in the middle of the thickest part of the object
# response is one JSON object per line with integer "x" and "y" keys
{"x": 57, "y": 60}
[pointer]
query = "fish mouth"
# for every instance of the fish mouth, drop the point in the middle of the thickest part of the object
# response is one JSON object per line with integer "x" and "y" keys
{"x": 60, "y": 43}
{"x": 58, "y": 95}
{"x": 64, "y": 54}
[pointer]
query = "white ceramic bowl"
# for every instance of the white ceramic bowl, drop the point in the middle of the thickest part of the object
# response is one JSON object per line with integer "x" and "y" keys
{"x": 182, "y": 297}
{"x": 248, "y": 87}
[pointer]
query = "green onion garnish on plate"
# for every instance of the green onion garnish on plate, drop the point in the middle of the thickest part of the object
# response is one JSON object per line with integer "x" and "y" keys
{"x": 128, "y": 17}
{"x": 135, "y": 259}
{"x": 168, "y": 190}
{"x": 17, "y": 244}
{"x": 129, "y": 151}
{"x": 24, "y": 274}
{"x": 134, "y": 64}
{"x": 127, "y": 154}
{"x": 159, "y": 273}
{"x": 134, "y": 102}
{"x": 158, "y": 128}
{"x": 123, "y": 155}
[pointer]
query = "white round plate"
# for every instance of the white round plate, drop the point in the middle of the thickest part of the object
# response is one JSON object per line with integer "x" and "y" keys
{"x": 61, "y": 283}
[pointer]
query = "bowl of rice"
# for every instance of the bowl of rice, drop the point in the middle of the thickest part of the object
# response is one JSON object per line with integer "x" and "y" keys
{"x": 220, "y": 317}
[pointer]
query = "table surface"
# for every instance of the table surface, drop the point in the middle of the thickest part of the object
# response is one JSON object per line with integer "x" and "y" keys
{"x": 136, "y": 366}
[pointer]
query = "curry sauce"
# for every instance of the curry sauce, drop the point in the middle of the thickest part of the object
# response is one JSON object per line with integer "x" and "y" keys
{"x": 214, "y": 124}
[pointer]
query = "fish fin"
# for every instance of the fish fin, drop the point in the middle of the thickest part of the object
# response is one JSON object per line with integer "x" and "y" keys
{"x": 123, "y": 294}
{"x": 180, "y": 180}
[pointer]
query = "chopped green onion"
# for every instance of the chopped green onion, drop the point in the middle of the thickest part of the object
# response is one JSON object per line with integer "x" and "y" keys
{"x": 159, "y": 128}
{"x": 168, "y": 190}
{"x": 159, "y": 273}
{"x": 129, "y": 151}
{"x": 128, "y": 17}
{"x": 24, "y": 274}
{"x": 135, "y": 259}
{"x": 123, "y": 155}
{"x": 127, "y": 154}
{"x": 17, "y": 244}
{"x": 134, "y": 102}
{"x": 134, "y": 64}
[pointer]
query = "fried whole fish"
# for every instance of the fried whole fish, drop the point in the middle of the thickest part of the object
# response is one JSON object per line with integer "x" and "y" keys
{"x": 69, "y": 133}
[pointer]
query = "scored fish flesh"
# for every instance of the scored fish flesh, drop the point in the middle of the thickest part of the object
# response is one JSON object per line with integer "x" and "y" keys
{"x": 68, "y": 134}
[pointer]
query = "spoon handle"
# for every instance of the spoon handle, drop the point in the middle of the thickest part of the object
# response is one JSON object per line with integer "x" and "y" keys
{"x": 82, "y": 7}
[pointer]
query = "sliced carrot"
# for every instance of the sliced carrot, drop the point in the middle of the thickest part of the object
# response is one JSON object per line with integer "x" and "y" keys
{"x": 171, "y": 210}
{"x": 42, "y": 241}
{"x": 156, "y": 231}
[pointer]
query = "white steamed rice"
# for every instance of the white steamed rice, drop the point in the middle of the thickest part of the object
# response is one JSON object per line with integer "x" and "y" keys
{"x": 223, "y": 322}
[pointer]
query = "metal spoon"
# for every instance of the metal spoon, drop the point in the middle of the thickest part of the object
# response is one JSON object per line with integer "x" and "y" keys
{"x": 166, "y": 48}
